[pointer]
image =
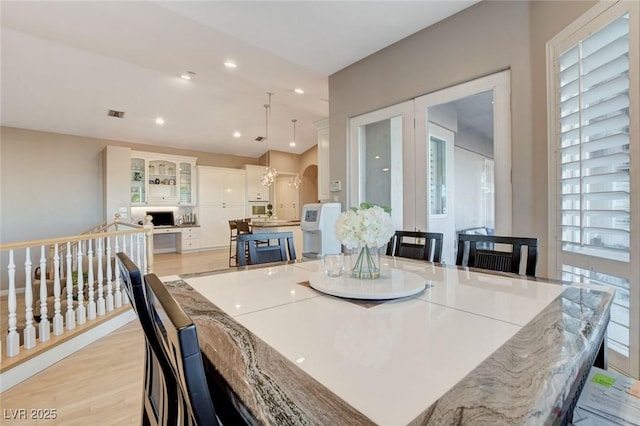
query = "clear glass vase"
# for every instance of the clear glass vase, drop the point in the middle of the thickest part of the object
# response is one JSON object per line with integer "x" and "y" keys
{"x": 365, "y": 262}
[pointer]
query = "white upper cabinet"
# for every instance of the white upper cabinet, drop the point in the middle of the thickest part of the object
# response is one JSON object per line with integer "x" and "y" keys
{"x": 255, "y": 190}
{"x": 221, "y": 186}
{"x": 158, "y": 179}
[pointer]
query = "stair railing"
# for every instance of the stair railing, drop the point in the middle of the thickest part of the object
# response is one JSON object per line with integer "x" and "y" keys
{"x": 81, "y": 265}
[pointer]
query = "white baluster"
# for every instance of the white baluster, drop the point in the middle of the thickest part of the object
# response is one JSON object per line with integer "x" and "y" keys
{"x": 91, "y": 305}
{"x": 109, "y": 275}
{"x": 118, "y": 293}
{"x": 138, "y": 261}
{"x": 125, "y": 297}
{"x": 101, "y": 303}
{"x": 58, "y": 327}
{"x": 123, "y": 249}
{"x": 70, "y": 315}
{"x": 29, "y": 332}
{"x": 44, "y": 331}
{"x": 13, "y": 338}
{"x": 144, "y": 251}
{"x": 81, "y": 310}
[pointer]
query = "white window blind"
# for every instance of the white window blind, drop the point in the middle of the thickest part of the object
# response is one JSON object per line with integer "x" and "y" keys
{"x": 594, "y": 153}
{"x": 593, "y": 161}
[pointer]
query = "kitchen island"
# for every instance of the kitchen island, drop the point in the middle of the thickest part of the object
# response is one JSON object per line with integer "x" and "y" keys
{"x": 474, "y": 347}
{"x": 278, "y": 225}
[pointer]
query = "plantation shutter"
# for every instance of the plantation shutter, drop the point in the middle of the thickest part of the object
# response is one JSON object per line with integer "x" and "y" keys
{"x": 593, "y": 141}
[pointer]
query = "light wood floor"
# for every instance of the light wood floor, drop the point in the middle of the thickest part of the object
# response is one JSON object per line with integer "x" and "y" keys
{"x": 102, "y": 383}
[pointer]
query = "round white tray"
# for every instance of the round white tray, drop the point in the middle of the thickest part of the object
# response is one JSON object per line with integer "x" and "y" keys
{"x": 392, "y": 284}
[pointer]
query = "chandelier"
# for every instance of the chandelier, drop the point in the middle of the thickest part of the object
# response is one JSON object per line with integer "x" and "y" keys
{"x": 269, "y": 174}
{"x": 294, "y": 181}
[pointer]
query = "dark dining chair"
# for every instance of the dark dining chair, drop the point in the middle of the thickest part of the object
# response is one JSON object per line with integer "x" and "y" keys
{"x": 478, "y": 251}
{"x": 422, "y": 245}
{"x": 257, "y": 253}
{"x": 178, "y": 338}
{"x": 233, "y": 233}
{"x": 159, "y": 391}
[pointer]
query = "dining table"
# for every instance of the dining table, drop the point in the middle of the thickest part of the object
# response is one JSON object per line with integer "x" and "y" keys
{"x": 426, "y": 343}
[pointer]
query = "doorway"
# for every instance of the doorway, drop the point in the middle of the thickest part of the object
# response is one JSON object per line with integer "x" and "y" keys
{"x": 472, "y": 178}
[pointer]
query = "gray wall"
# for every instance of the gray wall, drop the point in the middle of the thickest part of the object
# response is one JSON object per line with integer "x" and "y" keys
{"x": 485, "y": 38}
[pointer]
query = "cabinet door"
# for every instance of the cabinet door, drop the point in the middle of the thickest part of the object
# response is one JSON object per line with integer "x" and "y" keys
{"x": 255, "y": 190}
{"x": 214, "y": 225}
{"x": 163, "y": 175}
{"x": 210, "y": 186}
{"x": 138, "y": 181}
{"x": 234, "y": 187}
{"x": 186, "y": 183}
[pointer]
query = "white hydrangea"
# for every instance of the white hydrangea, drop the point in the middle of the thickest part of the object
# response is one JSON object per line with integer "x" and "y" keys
{"x": 367, "y": 226}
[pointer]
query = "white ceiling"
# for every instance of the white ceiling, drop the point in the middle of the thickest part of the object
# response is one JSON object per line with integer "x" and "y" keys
{"x": 65, "y": 63}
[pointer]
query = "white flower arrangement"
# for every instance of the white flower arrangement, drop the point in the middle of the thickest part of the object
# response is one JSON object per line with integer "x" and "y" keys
{"x": 369, "y": 225}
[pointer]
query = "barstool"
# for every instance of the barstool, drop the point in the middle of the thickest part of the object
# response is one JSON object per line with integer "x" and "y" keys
{"x": 242, "y": 227}
{"x": 233, "y": 233}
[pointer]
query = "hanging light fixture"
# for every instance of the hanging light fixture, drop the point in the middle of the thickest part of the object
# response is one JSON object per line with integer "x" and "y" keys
{"x": 269, "y": 174}
{"x": 294, "y": 181}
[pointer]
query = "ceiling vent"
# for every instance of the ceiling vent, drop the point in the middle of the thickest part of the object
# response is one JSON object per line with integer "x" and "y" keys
{"x": 114, "y": 113}
{"x": 260, "y": 138}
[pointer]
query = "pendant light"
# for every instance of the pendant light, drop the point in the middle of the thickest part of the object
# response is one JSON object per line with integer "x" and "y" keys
{"x": 294, "y": 181}
{"x": 269, "y": 174}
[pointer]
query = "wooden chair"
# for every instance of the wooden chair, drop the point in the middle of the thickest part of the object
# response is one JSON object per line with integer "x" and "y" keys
{"x": 159, "y": 392}
{"x": 257, "y": 253}
{"x": 430, "y": 249}
{"x": 233, "y": 233}
{"x": 178, "y": 339}
{"x": 469, "y": 254}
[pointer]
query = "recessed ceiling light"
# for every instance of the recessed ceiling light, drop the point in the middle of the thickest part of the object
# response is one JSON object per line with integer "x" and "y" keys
{"x": 298, "y": 90}
{"x": 187, "y": 75}
{"x": 386, "y": 169}
{"x": 292, "y": 144}
{"x": 159, "y": 121}
{"x": 236, "y": 134}
{"x": 230, "y": 64}
{"x": 377, "y": 157}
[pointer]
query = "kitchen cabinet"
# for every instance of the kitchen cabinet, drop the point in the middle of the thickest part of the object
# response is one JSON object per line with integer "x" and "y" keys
{"x": 255, "y": 190}
{"x": 221, "y": 198}
{"x": 323, "y": 160}
{"x": 189, "y": 240}
{"x": 158, "y": 179}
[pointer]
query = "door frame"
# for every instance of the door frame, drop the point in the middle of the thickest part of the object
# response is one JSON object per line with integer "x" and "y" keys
{"x": 403, "y": 203}
{"x": 500, "y": 84}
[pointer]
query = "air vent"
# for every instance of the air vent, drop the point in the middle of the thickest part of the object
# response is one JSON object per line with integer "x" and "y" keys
{"x": 260, "y": 138}
{"x": 114, "y": 113}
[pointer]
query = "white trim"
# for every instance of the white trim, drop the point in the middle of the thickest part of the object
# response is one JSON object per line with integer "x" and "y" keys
{"x": 500, "y": 83}
{"x": 29, "y": 368}
{"x": 596, "y": 17}
{"x": 354, "y": 162}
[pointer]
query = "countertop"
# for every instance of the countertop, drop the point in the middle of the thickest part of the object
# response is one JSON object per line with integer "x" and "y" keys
{"x": 274, "y": 223}
{"x": 472, "y": 348}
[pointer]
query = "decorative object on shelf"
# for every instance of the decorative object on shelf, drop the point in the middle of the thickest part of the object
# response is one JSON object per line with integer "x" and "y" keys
{"x": 172, "y": 182}
{"x": 162, "y": 168}
{"x": 157, "y": 181}
{"x": 364, "y": 230}
{"x": 170, "y": 170}
{"x": 137, "y": 176}
{"x": 269, "y": 175}
{"x": 152, "y": 168}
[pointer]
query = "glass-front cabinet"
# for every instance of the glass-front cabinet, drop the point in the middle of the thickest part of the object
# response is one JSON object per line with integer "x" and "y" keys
{"x": 162, "y": 182}
{"x": 138, "y": 181}
{"x": 186, "y": 184}
{"x": 158, "y": 179}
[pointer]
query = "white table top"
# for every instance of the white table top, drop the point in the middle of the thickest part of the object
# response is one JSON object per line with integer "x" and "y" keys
{"x": 409, "y": 351}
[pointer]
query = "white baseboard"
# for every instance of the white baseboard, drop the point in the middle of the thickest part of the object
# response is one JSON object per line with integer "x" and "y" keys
{"x": 21, "y": 372}
{"x": 18, "y": 291}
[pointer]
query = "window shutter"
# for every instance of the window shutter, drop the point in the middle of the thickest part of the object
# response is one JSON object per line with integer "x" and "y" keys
{"x": 593, "y": 139}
